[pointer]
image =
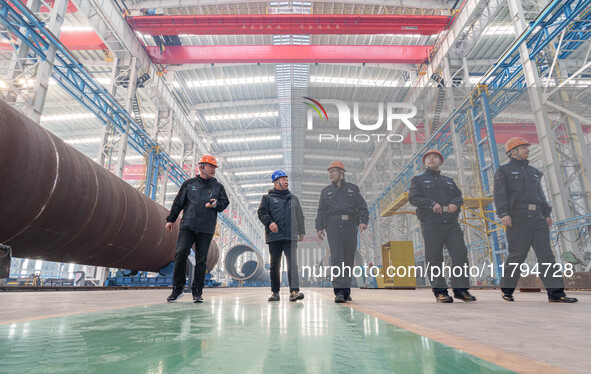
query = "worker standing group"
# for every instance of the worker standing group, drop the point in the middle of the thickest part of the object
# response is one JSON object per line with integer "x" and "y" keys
{"x": 521, "y": 206}
{"x": 342, "y": 214}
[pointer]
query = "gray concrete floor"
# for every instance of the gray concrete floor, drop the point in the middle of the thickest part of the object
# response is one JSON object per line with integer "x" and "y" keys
{"x": 552, "y": 333}
{"x": 525, "y": 334}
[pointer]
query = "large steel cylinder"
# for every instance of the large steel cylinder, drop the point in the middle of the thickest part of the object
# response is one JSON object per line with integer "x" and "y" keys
{"x": 58, "y": 205}
{"x": 249, "y": 268}
{"x": 213, "y": 255}
{"x": 5, "y": 258}
{"x": 252, "y": 270}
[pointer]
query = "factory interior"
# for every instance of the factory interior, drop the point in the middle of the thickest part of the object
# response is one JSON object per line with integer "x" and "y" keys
{"x": 180, "y": 180}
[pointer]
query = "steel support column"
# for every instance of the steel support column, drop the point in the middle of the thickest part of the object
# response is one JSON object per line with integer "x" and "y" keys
{"x": 128, "y": 103}
{"x": 546, "y": 135}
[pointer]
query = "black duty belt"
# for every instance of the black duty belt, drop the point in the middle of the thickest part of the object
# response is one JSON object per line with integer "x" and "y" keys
{"x": 533, "y": 207}
{"x": 342, "y": 217}
{"x": 444, "y": 209}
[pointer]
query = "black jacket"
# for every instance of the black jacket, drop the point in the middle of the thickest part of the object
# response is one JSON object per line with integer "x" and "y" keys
{"x": 336, "y": 201}
{"x": 432, "y": 188}
{"x": 518, "y": 182}
{"x": 191, "y": 199}
{"x": 283, "y": 208}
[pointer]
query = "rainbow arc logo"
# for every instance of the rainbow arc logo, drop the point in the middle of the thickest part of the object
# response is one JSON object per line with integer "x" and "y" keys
{"x": 316, "y": 106}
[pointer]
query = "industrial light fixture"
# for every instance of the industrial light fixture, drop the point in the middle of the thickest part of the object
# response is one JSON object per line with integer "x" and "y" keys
{"x": 347, "y": 81}
{"x": 66, "y": 117}
{"x": 89, "y": 140}
{"x": 333, "y": 157}
{"x": 253, "y": 194}
{"x": 502, "y": 29}
{"x": 253, "y": 185}
{"x": 315, "y": 184}
{"x": 82, "y": 140}
{"x": 226, "y": 82}
{"x": 249, "y": 139}
{"x": 243, "y": 173}
{"x": 310, "y": 193}
{"x": 254, "y": 158}
{"x": 86, "y": 115}
{"x": 76, "y": 28}
{"x": 241, "y": 116}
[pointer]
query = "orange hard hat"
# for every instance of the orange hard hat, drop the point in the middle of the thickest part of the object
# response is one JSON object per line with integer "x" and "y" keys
{"x": 208, "y": 159}
{"x": 337, "y": 164}
{"x": 431, "y": 151}
{"x": 515, "y": 142}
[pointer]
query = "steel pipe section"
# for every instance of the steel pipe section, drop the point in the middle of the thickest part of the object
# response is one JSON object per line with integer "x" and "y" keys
{"x": 252, "y": 270}
{"x": 213, "y": 255}
{"x": 58, "y": 205}
{"x": 250, "y": 267}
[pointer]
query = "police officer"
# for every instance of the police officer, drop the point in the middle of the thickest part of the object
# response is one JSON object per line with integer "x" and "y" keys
{"x": 281, "y": 213}
{"x": 438, "y": 200}
{"x": 341, "y": 210}
{"x": 524, "y": 211}
{"x": 201, "y": 199}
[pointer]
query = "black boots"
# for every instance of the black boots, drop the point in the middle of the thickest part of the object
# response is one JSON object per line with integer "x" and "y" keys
{"x": 508, "y": 297}
{"x": 464, "y": 296}
{"x": 197, "y": 297}
{"x": 295, "y": 296}
{"x": 563, "y": 299}
{"x": 340, "y": 298}
{"x": 443, "y": 298}
{"x": 175, "y": 295}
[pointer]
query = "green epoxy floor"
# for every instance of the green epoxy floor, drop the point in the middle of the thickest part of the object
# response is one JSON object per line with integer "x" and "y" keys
{"x": 233, "y": 333}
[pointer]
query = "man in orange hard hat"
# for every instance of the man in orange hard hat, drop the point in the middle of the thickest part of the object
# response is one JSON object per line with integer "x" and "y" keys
{"x": 524, "y": 211}
{"x": 438, "y": 200}
{"x": 201, "y": 199}
{"x": 341, "y": 211}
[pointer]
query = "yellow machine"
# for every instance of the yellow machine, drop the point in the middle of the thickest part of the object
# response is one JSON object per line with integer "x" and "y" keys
{"x": 398, "y": 261}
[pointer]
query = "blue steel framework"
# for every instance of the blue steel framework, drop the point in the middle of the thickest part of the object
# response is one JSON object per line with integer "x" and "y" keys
{"x": 481, "y": 106}
{"x": 71, "y": 75}
{"x": 580, "y": 223}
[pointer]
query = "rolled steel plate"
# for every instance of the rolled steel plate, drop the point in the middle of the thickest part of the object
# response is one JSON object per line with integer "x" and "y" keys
{"x": 58, "y": 205}
{"x": 232, "y": 257}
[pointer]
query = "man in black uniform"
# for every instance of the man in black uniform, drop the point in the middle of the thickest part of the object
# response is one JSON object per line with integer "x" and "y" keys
{"x": 438, "y": 200}
{"x": 201, "y": 199}
{"x": 281, "y": 213}
{"x": 341, "y": 210}
{"x": 524, "y": 211}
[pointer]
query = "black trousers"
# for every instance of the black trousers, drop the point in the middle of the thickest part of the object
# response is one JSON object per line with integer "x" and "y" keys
{"x": 184, "y": 243}
{"x": 450, "y": 234}
{"x": 525, "y": 232}
{"x": 342, "y": 240}
{"x": 276, "y": 250}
